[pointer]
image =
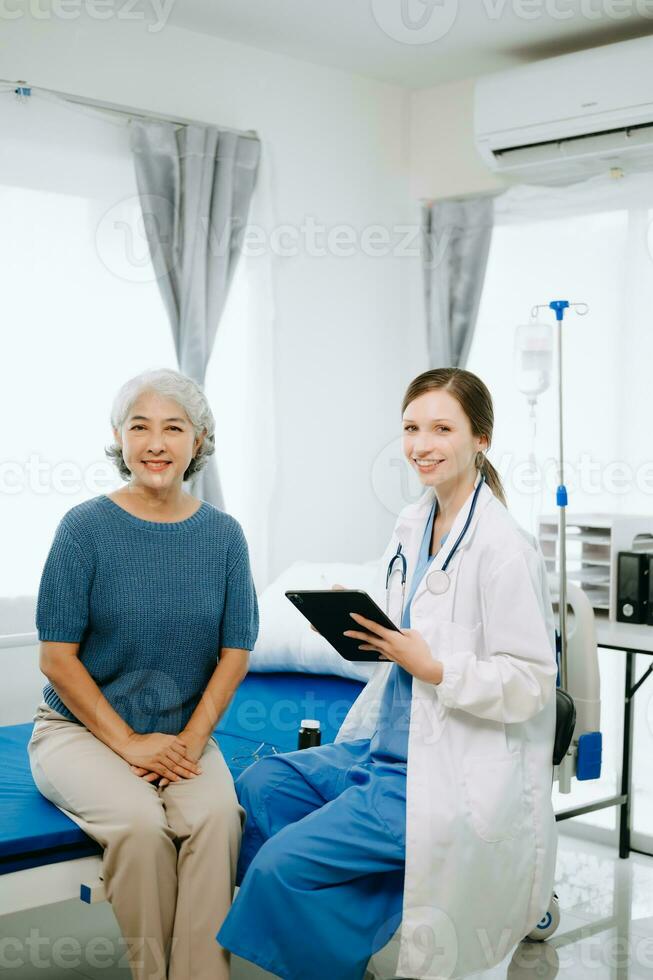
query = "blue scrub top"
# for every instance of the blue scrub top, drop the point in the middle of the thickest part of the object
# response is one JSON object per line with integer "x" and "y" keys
{"x": 390, "y": 741}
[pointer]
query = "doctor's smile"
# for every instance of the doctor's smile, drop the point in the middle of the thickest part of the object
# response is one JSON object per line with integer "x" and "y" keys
{"x": 428, "y": 464}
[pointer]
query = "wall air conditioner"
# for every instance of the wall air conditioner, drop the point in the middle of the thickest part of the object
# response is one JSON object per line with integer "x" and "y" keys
{"x": 567, "y": 118}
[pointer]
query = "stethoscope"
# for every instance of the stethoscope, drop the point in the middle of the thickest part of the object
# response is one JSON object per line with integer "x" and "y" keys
{"x": 437, "y": 581}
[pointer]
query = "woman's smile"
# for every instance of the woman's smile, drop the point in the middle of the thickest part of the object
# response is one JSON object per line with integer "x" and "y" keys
{"x": 427, "y": 465}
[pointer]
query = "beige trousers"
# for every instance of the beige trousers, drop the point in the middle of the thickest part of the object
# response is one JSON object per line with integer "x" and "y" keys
{"x": 170, "y": 855}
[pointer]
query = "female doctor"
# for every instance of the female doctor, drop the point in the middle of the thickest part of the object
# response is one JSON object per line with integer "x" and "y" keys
{"x": 431, "y": 812}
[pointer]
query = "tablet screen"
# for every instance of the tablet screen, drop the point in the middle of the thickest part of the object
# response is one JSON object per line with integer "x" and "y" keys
{"x": 328, "y": 611}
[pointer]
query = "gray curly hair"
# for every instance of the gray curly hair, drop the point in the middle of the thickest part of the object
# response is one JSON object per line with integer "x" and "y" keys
{"x": 171, "y": 384}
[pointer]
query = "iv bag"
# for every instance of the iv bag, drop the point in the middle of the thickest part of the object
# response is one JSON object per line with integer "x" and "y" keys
{"x": 533, "y": 358}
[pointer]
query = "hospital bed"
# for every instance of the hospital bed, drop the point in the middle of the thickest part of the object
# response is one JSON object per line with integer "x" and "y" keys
{"x": 45, "y": 857}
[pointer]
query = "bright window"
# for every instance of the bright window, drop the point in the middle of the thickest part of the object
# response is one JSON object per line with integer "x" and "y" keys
{"x": 82, "y": 313}
{"x": 602, "y": 259}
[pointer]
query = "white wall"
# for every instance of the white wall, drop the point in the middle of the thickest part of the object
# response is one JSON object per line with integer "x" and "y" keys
{"x": 443, "y": 159}
{"x": 348, "y": 328}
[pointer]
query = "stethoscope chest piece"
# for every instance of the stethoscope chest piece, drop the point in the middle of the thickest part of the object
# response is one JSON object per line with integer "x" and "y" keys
{"x": 437, "y": 582}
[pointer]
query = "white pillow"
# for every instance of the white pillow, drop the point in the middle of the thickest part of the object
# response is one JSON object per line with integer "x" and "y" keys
{"x": 286, "y": 641}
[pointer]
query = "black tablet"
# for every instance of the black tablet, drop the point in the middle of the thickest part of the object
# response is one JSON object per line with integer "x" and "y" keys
{"x": 328, "y": 611}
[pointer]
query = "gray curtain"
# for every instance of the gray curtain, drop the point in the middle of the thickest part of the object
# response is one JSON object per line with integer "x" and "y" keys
{"x": 455, "y": 245}
{"x": 195, "y": 184}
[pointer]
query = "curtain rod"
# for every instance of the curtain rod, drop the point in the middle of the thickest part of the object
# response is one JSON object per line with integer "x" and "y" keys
{"x": 123, "y": 110}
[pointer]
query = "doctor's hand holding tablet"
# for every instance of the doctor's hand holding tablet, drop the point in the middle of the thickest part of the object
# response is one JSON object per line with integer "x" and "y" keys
{"x": 381, "y": 641}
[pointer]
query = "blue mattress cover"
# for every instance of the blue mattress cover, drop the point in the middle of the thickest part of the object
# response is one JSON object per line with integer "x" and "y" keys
{"x": 267, "y": 707}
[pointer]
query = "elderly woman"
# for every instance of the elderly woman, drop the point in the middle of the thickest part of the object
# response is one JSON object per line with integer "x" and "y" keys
{"x": 146, "y": 613}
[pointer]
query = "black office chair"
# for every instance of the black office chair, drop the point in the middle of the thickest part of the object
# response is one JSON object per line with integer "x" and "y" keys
{"x": 565, "y": 724}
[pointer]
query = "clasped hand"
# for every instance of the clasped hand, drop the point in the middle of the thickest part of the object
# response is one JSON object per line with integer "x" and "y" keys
{"x": 408, "y": 648}
{"x": 169, "y": 758}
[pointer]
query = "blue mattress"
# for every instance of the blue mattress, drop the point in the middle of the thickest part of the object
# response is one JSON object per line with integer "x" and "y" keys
{"x": 266, "y": 708}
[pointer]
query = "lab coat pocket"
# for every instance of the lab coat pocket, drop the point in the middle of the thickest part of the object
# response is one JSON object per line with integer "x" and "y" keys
{"x": 494, "y": 793}
{"x": 428, "y": 716}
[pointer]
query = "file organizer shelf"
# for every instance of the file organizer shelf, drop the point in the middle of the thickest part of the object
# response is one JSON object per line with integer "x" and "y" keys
{"x": 593, "y": 543}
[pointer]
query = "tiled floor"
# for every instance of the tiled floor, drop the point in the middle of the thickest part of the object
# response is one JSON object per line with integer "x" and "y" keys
{"x": 606, "y": 930}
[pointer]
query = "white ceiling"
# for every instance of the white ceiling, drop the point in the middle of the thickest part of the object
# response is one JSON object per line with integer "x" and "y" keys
{"x": 436, "y": 41}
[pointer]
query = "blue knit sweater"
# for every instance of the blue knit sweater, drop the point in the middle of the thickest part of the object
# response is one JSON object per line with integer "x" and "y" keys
{"x": 150, "y": 603}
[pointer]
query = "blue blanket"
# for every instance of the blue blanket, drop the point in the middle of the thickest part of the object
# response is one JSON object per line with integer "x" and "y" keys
{"x": 267, "y": 708}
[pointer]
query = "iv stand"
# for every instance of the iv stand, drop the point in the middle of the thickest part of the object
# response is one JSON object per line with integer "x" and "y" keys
{"x": 559, "y": 306}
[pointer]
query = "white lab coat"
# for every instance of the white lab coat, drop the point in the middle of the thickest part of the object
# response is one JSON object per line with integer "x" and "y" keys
{"x": 480, "y": 828}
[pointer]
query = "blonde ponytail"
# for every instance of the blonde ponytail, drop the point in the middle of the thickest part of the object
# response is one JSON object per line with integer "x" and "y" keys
{"x": 492, "y": 478}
